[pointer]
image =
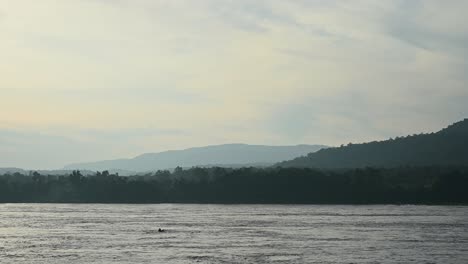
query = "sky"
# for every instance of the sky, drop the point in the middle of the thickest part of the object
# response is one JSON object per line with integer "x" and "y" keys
{"x": 85, "y": 80}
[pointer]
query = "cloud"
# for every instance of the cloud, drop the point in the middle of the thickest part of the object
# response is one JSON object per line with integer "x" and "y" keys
{"x": 431, "y": 25}
{"x": 208, "y": 72}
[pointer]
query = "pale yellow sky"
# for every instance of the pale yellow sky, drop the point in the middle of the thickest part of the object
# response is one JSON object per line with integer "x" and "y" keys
{"x": 100, "y": 79}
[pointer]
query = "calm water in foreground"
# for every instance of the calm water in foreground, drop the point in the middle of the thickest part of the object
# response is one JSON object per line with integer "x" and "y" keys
{"x": 100, "y": 233}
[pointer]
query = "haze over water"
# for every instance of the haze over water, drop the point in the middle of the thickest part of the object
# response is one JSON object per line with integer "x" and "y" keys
{"x": 101, "y": 233}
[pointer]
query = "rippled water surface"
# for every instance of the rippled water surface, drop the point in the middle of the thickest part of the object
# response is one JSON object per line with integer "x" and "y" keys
{"x": 101, "y": 233}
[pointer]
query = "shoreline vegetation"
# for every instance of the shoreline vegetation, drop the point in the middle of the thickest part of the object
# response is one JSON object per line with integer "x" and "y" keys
{"x": 430, "y": 185}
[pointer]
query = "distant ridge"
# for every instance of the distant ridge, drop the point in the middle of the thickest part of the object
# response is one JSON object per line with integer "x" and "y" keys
{"x": 449, "y": 146}
{"x": 228, "y": 155}
{"x": 4, "y": 171}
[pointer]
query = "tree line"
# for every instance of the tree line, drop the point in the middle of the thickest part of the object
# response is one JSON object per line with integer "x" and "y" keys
{"x": 402, "y": 185}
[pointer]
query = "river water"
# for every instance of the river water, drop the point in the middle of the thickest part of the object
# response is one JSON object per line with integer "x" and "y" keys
{"x": 105, "y": 233}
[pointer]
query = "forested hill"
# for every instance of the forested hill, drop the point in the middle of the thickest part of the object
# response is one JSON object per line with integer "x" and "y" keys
{"x": 446, "y": 147}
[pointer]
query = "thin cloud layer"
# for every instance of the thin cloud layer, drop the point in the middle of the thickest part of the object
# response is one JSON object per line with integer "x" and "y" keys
{"x": 264, "y": 72}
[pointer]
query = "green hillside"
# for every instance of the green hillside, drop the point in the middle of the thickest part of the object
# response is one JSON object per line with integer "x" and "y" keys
{"x": 446, "y": 147}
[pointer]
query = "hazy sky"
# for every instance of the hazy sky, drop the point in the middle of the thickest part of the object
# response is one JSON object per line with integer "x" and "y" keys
{"x": 85, "y": 80}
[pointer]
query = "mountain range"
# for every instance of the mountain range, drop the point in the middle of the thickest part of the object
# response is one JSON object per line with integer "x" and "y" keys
{"x": 446, "y": 147}
{"x": 12, "y": 170}
{"x": 228, "y": 155}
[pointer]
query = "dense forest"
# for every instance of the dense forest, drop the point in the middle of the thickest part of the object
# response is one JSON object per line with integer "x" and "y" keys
{"x": 446, "y": 147}
{"x": 401, "y": 185}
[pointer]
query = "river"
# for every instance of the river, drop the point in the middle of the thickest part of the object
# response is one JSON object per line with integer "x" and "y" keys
{"x": 195, "y": 233}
